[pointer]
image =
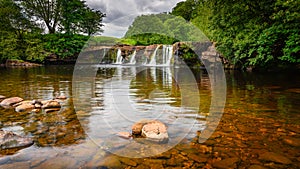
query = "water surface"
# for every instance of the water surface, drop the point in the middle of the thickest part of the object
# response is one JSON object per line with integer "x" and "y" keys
{"x": 83, "y": 132}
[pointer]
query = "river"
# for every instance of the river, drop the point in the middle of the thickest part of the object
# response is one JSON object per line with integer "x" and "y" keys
{"x": 260, "y": 125}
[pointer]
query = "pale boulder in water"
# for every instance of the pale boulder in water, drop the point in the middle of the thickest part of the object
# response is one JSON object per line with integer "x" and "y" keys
{"x": 10, "y": 101}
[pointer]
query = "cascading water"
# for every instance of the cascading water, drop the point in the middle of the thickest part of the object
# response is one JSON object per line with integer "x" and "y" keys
{"x": 119, "y": 57}
{"x": 132, "y": 58}
{"x": 162, "y": 57}
{"x": 153, "y": 57}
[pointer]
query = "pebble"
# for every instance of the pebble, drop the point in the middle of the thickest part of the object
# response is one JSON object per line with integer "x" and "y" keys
{"x": 274, "y": 157}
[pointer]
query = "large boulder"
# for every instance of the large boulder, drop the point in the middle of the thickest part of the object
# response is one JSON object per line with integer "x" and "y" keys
{"x": 137, "y": 127}
{"x": 10, "y": 101}
{"x": 155, "y": 131}
{"x": 10, "y": 140}
{"x": 51, "y": 104}
{"x": 152, "y": 130}
{"x": 24, "y": 107}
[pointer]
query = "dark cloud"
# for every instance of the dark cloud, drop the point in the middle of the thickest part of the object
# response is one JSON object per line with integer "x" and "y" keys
{"x": 121, "y": 13}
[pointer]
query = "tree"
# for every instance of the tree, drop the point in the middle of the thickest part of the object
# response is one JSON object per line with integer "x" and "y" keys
{"x": 68, "y": 15}
{"x": 261, "y": 34}
{"x": 92, "y": 21}
{"x": 48, "y": 11}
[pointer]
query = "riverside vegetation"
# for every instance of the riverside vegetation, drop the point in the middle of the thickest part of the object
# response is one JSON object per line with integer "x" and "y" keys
{"x": 249, "y": 34}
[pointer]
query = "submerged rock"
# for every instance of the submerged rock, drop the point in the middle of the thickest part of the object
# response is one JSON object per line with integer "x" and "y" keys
{"x": 24, "y": 107}
{"x": 51, "y": 104}
{"x": 152, "y": 130}
{"x": 125, "y": 135}
{"x": 137, "y": 127}
{"x": 273, "y": 157}
{"x": 2, "y": 97}
{"x": 155, "y": 131}
{"x": 9, "y": 140}
{"x": 61, "y": 97}
{"x": 10, "y": 101}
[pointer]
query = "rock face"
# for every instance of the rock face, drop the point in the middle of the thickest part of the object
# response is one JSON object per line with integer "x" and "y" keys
{"x": 152, "y": 130}
{"x": 11, "y": 101}
{"x": 9, "y": 139}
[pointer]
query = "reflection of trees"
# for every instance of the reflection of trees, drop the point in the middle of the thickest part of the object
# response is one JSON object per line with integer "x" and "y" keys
{"x": 48, "y": 129}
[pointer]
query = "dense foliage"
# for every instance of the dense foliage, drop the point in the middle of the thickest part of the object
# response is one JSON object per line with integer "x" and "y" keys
{"x": 162, "y": 29}
{"x": 261, "y": 34}
{"x": 22, "y": 38}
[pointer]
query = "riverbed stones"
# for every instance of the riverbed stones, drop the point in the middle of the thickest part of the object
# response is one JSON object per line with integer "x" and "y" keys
{"x": 24, "y": 107}
{"x": 9, "y": 139}
{"x": 274, "y": 157}
{"x": 125, "y": 135}
{"x": 295, "y": 142}
{"x": 2, "y": 97}
{"x": 137, "y": 127}
{"x": 226, "y": 163}
{"x": 155, "y": 131}
{"x": 10, "y": 101}
{"x": 51, "y": 104}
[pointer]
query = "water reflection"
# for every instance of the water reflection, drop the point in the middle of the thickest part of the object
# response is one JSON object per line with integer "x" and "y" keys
{"x": 261, "y": 114}
{"x": 122, "y": 96}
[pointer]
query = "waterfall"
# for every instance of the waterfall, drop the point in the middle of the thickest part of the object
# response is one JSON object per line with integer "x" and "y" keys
{"x": 153, "y": 57}
{"x": 132, "y": 58}
{"x": 168, "y": 55}
{"x": 162, "y": 57}
{"x": 119, "y": 57}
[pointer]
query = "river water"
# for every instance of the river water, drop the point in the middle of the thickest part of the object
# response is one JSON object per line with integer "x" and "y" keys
{"x": 260, "y": 125}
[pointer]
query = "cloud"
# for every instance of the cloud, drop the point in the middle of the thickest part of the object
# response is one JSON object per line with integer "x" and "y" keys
{"x": 121, "y": 13}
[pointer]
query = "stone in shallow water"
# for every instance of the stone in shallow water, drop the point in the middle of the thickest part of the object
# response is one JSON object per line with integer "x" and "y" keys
{"x": 273, "y": 157}
{"x": 292, "y": 141}
{"x": 10, "y": 101}
{"x": 24, "y": 107}
{"x": 137, "y": 127}
{"x": 2, "y": 97}
{"x": 51, "y": 104}
{"x": 125, "y": 135}
{"x": 226, "y": 163}
{"x": 9, "y": 139}
{"x": 155, "y": 131}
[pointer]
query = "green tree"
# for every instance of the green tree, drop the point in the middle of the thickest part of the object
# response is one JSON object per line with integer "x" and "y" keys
{"x": 92, "y": 21}
{"x": 69, "y": 16}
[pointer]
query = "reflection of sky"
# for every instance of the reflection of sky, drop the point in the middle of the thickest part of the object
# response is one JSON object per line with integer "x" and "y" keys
{"x": 134, "y": 93}
{"x": 121, "y": 13}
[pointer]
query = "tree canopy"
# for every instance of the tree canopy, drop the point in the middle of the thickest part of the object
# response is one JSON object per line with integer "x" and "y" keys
{"x": 163, "y": 28}
{"x": 69, "y": 16}
{"x": 249, "y": 33}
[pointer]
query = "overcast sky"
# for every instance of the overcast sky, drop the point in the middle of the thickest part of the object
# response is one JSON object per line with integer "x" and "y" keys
{"x": 121, "y": 13}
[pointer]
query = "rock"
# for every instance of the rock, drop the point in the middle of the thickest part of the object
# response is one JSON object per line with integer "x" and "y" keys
{"x": 125, "y": 135}
{"x": 9, "y": 139}
{"x": 51, "y": 104}
{"x": 155, "y": 131}
{"x": 61, "y": 97}
{"x": 226, "y": 163}
{"x": 292, "y": 141}
{"x": 16, "y": 165}
{"x": 59, "y": 163}
{"x": 24, "y": 107}
{"x": 256, "y": 167}
{"x": 273, "y": 157}
{"x": 137, "y": 127}
{"x": 51, "y": 110}
{"x": 10, "y": 101}
{"x": 197, "y": 158}
{"x": 2, "y": 97}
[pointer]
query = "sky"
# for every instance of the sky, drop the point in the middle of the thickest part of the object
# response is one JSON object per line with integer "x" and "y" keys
{"x": 121, "y": 13}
